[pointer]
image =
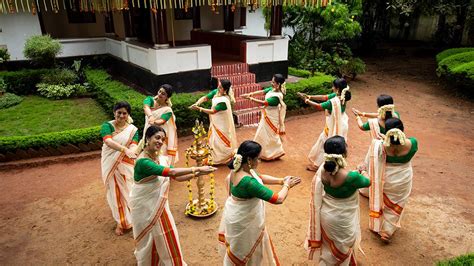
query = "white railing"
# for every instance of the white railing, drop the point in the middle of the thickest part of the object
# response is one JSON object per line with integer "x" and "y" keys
{"x": 266, "y": 50}
{"x": 158, "y": 61}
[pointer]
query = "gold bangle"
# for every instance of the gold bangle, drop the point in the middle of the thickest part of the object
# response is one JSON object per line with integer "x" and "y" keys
{"x": 193, "y": 170}
{"x": 363, "y": 114}
{"x": 122, "y": 149}
{"x": 287, "y": 186}
{"x": 282, "y": 181}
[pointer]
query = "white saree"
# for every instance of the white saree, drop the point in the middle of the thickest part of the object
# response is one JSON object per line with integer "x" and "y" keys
{"x": 337, "y": 123}
{"x": 334, "y": 226}
{"x": 389, "y": 191}
{"x": 170, "y": 148}
{"x": 154, "y": 228}
{"x": 221, "y": 135}
{"x": 374, "y": 134}
{"x": 117, "y": 175}
{"x": 243, "y": 238}
{"x": 271, "y": 128}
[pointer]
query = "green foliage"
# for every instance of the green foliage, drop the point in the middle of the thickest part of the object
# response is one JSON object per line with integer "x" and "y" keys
{"x": 110, "y": 92}
{"x": 464, "y": 260}
{"x": 37, "y": 115}
{"x": 59, "y": 76}
{"x": 22, "y": 82}
{"x": 449, "y": 63}
{"x": 54, "y": 139}
{"x": 42, "y": 49}
{"x": 449, "y": 52}
{"x": 60, "y": 91}
{"x": 299, "y": 72}
{"x": 3, "y": 86}
{"x": 354, "y": 67}
{"x": 4, "y": 55}
{"x": 458, "y": 69}
{"x": 318, "y": 84}
{"x": 320, "y": 38}
{"x": 9, "y": 99}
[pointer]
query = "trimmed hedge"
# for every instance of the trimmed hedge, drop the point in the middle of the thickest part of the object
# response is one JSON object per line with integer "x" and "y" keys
{"x": 23, "y": 82}
{"x": 447, "y": 65}
{"x": 110, "y": 91}
{"x": 449, "y": 52}
{"x": 457, "y": 68}
{"x": 299, "y": 72}
{"x": 54, "y": 139}
{"x": 319, "y": 84}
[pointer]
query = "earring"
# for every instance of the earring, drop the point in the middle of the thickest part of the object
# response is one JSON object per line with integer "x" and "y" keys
{"x": 249, "y": 164}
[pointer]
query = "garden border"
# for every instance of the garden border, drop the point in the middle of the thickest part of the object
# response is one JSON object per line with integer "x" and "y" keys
{"x": 110, "y": 91}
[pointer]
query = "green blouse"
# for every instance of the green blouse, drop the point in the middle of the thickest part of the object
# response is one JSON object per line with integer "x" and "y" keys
{"x": 107, "y": 129}
{"x": 353, "y": 181}
{"x": 219, "y": 106}
{"x": 249, "y": 187}
{"x": 150, "y": 102}
{"x": 145, "y": 167}
{"x": 328, "y": 106}
{"x": 405, "y": 158}
{"x": 272, "y": 101}
{"x": 366, "y": 126}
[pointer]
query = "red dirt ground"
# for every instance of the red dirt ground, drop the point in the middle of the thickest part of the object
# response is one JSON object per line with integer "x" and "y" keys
{"x": 58, "y": 213}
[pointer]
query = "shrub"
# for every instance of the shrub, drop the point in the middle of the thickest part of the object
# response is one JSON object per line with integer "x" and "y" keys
{"x": 449, "y": 52}
{"x": 354, "y": 67}
{"x": 319, "y": 84}
{"x": 55, "y": 139}
{"x": 42, "y": 49}
{"x": 449, "y": 63}
{"x": 24, "y": 81}
{"x": 464, "y": 260}
{"x": 9, "y": 100}
{"x": 4, "y": 55}
{"x": 110, "y": 91}
{"x": 59, "y": 76}
{"x": 3, "y": 86}
{"x": 299, "y": 72}
{"x": 60, "y": 91}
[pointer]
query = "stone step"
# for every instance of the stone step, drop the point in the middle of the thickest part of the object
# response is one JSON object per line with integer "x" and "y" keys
{"x": 230, "y": 69}
{"x": 242, "y": 104}
{"x": 239, "y": 79}
{"x": 243, "y": 89}
{"x": 249, "y": 117}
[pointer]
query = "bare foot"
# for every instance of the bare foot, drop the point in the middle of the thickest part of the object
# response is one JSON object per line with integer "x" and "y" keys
{"x": 311, "y": 167}
{"x": 384, "y": 237}
{"x": 119, "y": 230}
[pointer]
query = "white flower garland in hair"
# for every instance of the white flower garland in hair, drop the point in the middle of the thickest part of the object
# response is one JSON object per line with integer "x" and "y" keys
{"x": 231, "y": 95}
{"x": 338, "y": 159}
{"x": 397, "y": 134}
{"x": 386, "y": 108}
{"x": 237, "y": 163}
{"x": 283, "y": 88}
{"x": 343, "y": 95}
{"x": 129, "y": 120}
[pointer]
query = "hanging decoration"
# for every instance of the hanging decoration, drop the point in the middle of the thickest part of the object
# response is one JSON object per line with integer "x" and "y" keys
{"x": 34, "y": 6}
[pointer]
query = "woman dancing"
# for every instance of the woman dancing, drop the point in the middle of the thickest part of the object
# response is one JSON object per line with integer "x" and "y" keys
{"x": 337, "y": 122}
{"x": 117, "y": 160}
{"x": 154, "y": 229}
{"x": 334, "y": 227}
{"x": 272, "y": 124}
{"x": 158, "y": 112}
{"x": 376, "y": 122}
{"x": 222, "y": 138}
{"x": 391, "y": 173}
{"x": 242, "y": 233}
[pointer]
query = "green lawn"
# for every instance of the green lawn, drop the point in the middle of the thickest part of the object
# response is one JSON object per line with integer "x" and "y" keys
{"x": 37, "y": 115}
